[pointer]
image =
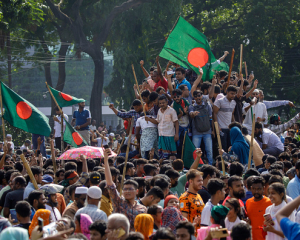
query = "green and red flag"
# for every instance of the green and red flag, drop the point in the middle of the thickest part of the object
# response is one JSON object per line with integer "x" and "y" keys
{"x": 189, "y": 48}
{"x": 189, "y": 153}
{"x": 22, "y": 114}
{"x": 72, "y": 137}
{"x": 64, "y": 99}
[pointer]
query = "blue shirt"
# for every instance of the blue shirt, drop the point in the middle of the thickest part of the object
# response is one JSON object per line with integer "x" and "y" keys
{"x": 81, "y": 118}
{"x": 293, "y": 188}
{"x": 130, "y": 154}
{"x": 29, "y": 188}
{"x": 290, "y": 229}
{"x": 184, "y": 81}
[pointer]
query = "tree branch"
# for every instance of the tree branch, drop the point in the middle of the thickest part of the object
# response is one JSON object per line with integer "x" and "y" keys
{"x": 117, "y": 10}
{"x": 58, "y": 13}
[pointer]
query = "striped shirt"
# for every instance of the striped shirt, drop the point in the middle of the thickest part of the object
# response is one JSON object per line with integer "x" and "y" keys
{"x": 93, "y": 212}
{"x": 226, "y": 109}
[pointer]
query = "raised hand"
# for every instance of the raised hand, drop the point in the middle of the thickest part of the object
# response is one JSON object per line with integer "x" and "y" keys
{"x": 142, "y": 63}
{"x": 111, "y": 106}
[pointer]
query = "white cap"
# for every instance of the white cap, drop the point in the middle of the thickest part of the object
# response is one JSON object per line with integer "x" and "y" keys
{"x": 94, "y": 192}
{"x": 256, "y": 91}
{"x": 81, "y": 190}
{"x": 112, "y": 134}
{"x": 8, "y": 135}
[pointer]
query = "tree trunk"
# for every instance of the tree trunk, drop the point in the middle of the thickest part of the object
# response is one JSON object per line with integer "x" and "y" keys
{"x": 9, "y": 59}
{"x": 96, "y": 97}
{"x": 62, "y": 65}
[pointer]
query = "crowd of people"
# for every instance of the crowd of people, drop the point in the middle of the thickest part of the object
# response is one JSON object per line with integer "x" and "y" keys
{"x": 146, "y": 191}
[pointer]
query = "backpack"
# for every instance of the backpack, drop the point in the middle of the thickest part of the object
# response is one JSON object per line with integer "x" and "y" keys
{"x": 202, "y": 123}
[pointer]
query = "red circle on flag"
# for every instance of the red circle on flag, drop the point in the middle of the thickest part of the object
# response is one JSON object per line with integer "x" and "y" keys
{"x": 24, "y": 111}
{"x": 77, "y": 138}
{"x": 195, "y": 155}
{"x": 198, "y": 57}
{"x": 66, "y": 97}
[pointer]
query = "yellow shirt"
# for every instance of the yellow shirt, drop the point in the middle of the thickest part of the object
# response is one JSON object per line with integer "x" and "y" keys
{"x": 106, "y": 205}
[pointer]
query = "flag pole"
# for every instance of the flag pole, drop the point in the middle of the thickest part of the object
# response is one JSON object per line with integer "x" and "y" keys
{"x": 251, "y": 143}
{"x": 126, "y": 156}
{"x": 53, "y": 155}
{"x": 183, "y": 145}
{"x": 25, "y": 164}
{"x": 138, "y": 88}
{"x": 241, "y": 59}
{"x": 3, "y": 123}
{"x": 230, "y": 68}
{"x": 220, "y": 146}
{"x": 246, "y": 71}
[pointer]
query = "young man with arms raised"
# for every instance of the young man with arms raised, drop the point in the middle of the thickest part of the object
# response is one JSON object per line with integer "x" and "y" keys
{"x": 126, "y": 203}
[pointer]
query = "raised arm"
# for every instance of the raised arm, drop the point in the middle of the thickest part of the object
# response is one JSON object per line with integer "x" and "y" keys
{"x": 108, "y": 177}
{"x": 84, "y": 164}
{"x": 197, "y": 160}
{"x": 143, "y": 69}
{"x": 241, "y": 89}
{"x": 170, "y": 86}
{"x": 221, "y": 59}
{"x": 159, "y": 72}
{"x": 197, "y": 81}
{"x": 252, "y": 89}
{"x": 212, "y": 89}
{"x": 137, "y": 96}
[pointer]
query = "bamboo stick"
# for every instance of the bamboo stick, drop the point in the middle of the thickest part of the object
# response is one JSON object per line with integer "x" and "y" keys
{"x": 28, "y": 169}
{"x": 230, "y": 68}
{"x": 251, "y": 142}
{"x": 183, "y": 145}
{"x": 220, "y": 146}
{"x": 241, "y": 59}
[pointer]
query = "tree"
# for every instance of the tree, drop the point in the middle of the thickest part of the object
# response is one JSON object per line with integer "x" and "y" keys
{"x": 90, "y": 23}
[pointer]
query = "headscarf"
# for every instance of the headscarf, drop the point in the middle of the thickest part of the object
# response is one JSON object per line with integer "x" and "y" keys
{"x": 168, "y": 198}
{"x": 219, "y": 212}
{"x": 85, "y": 222}
{"x": 144, "y": 224}
{"x": 42, "y": 213}
{"x": 170, "y": 217}
{"x": 14, "y": 233}
{"x": 239, "y": 146}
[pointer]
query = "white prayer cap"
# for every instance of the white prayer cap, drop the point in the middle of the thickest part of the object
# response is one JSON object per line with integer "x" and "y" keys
{"x": 256, "y": 91}
{"x": 81, "y": 190}
{"x": 94, "y": 192}
{"x": 8, "y": 135}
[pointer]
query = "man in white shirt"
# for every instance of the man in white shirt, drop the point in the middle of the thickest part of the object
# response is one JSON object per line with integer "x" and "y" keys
{"x": 102, "y": 140}
{"x": 10, "y": 142}
{"x": 57, "y": 128}
{"x": 223, "y": 113}
{"x": 270, "y": 142}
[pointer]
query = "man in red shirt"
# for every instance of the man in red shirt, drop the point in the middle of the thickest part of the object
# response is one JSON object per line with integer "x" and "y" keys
{"x": 158, "y": 78}
{"x": 236, "y": 190}
{"x": 256, "y": 206}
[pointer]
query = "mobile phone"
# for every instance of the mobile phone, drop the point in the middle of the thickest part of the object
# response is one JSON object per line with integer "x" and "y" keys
{"x": 13, "y": 215}
{"x": 268, "y": 217}
{"x": 94, "y": 130}
{"x": 170, "y": 72}
{"x": 220, "y": 233}
{"x": 121, "y": 232}
{"x": 41, "y": 224}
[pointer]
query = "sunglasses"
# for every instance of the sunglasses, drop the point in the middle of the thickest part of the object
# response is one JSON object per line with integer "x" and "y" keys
{"x": 177, "y": 96}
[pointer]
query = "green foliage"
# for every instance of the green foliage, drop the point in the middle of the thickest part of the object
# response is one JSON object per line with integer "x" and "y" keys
{"x": 18, "y": 135}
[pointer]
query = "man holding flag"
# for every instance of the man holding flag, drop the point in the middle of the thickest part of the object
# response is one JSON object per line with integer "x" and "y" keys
{"x": 57, "y": 129}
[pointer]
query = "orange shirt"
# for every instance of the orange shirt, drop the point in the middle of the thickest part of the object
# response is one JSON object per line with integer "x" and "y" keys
{"x": 192, "y": 204}
{"x": 255, "y": 211}
{"x": 61, "y": 206}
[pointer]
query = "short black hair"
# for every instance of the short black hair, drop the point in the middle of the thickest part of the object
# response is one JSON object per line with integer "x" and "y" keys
{"x": 156, "y": 192}
{"x": 148, "y": 168}
{"x": 257, "y": 179}
{"x": 233, "y": 179}
{"x": 114, "y": 172}
{"x": 59, "y": 171}
{"x": 251, "y": 172}
{"x": 152, "y": 210}
{"x": 244, "y": 131}
{"x": 164, "y": 168}
{"x": 241, "y": 231}
{"x": 95, "y": 177}
{"x": 120, "y": 159}
{"x": 162, "y": 183}
{"x": 19, "y": 166}
{"x": 217, "y": 89}
{"x": 145, "y": 93}
{"x": 164, "y": 233}
{"x": 70, "y": 166}
{"x": 231, "y": 88}
{"x": 141, "y": 161}
{"x": 205, "y": 86}
{"x": 91, "y": 164}
{"x": 214, "y": 185}
{"x": 258, "y": 125}
{"x": 271, "y": 159}
{"x": 162, "y": 97}
{"x": 236, "y": 168}
{"x": 131, "y": 182}
{"x": 23, "y": 208}
{"x": 8, "y": 174}
{"x": 182, "y": 87}
{"x": 274, "y": 179}
{"x": 34, "y": 195}
{"x": 21, "y": 180}
{"x": 128, "y": 166}
{"x": 171, "y": 173}
{"x": 284, "y": 156}
{"x": 222, "y": 73}
{"x": 187, "y": 225}
{"x": 36, "y": 170}
{"x": 153, "y": 96}
{"x": 208, "y": 170}
{"x": 196, "y": 92}
{"x": 235, "y": 124}
{"x": 180, "y": 69}
{"x": 141, "y": 181}
{"x": 135, "y": 236}
{"x": 136, "y": 102}
{"x": 266, "y": 177}
{"x": 99, "y": 226}
{"x": 297, "y": 166}
{"x": 177, "y": 92}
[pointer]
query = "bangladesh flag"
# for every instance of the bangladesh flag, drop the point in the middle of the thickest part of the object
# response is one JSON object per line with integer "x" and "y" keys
{"x": 189, "y": 48}
{"x": 22, "y": 114}
{"x": 72, "y": 137}
{"x": 189, "y": 153}
{"x": 64, "y": 99}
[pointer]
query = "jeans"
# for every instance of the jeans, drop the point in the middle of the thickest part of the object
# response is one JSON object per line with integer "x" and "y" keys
{"x": 225, "y": 139}
{"x": 207, "y": 142}
{"x": 34, "y": 143}
{"x": 274, "y": 151}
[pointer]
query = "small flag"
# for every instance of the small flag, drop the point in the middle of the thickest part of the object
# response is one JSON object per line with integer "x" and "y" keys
{"x": 63, "y": 99}
{"x": 189, "y": 153}
{"x": 72, "y": 137}
{"x": 189, "y": 48}
{"x": 22, "y": 114}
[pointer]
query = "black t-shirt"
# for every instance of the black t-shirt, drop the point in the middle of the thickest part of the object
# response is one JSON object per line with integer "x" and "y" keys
{"x": 2, "y": 200}
{"x": 204, "y": 194}
{"x": 13, "y": 197}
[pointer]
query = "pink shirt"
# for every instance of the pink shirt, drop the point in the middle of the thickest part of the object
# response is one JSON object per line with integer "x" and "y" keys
{"x": 166, "y": 122}
{"x": 203, "y": 232}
